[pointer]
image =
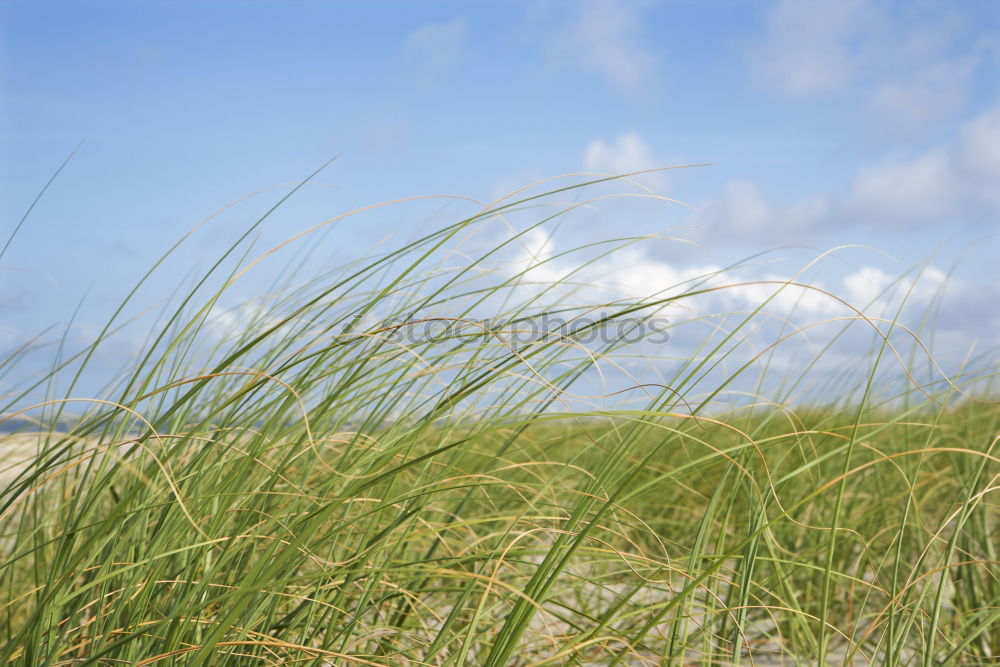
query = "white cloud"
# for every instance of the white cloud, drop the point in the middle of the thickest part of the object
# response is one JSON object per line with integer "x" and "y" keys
{"x": 743, "y": 207}
{"x": 635, "y": 273}
{"x": 628, "y": 152}
{"x": 234, "y": 322}
{"x": 917, "y": 190}
{"x": 605, "y": 39}
{"x": 950, "y": 182}
{"x": 812, "y": 46}
{"x": 808, "y": 213}
{"x": 958, "y": 180}
{"x": 910, "y": 65}
{"x": 872, "y": 288}
{"x": 980, "y": 147}
{"x": 740, "y": 206}
{"x": 433, "y": 47}
{"x": 865, "y": 285}
{"x": 909, "y": 104}
{"x": 534, "y": 260}
{"x": 810, "y": 301}
{"x": 627, "y": 273}
{"x": 632, "y": 273}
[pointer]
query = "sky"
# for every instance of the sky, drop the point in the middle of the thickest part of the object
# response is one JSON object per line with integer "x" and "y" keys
{"x": 819, "y": 124}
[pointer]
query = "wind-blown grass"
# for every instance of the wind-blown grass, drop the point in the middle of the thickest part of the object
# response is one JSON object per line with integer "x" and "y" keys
{"x": 317, "y": 486}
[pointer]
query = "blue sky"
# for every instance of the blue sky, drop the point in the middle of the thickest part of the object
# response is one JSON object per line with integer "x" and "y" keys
{"x": 825, "y": 123}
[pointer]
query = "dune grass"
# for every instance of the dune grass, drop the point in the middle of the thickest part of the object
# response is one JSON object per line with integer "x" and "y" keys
{"x": 318, "y": 486}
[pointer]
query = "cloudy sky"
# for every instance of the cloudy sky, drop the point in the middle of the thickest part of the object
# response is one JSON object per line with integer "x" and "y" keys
{"x": 822, "y": 124}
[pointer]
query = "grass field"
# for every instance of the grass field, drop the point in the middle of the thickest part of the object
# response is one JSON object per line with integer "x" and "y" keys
{"x": 316, "y": 488}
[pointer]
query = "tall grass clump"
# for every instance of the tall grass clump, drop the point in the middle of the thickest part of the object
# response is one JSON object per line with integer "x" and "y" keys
{"x": 394, "y": 463}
